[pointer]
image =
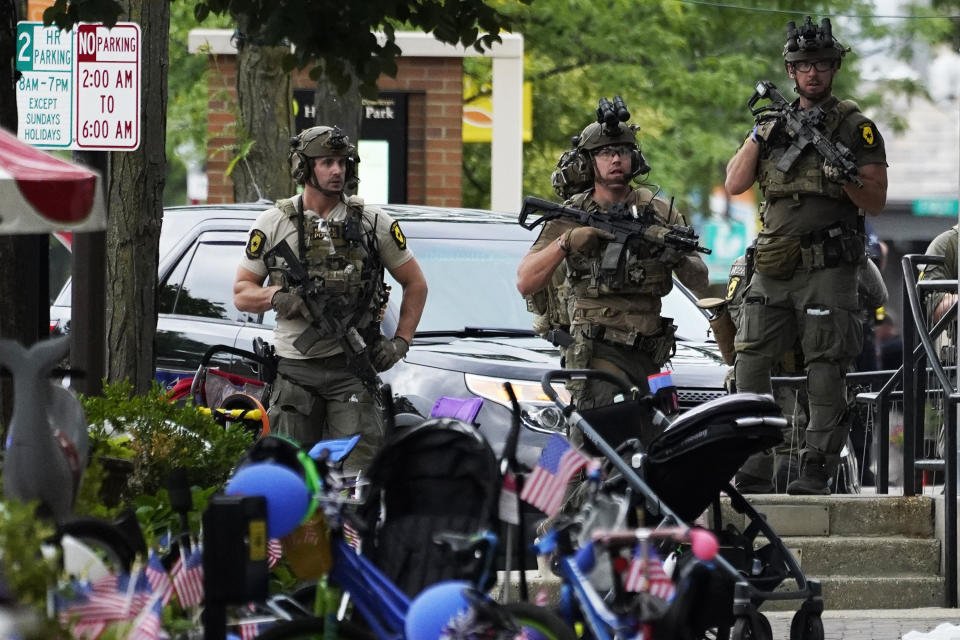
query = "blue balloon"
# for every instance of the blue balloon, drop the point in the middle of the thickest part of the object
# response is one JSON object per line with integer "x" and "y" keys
{"x": 434, "y": 608}
{"x": 285, "y": 491}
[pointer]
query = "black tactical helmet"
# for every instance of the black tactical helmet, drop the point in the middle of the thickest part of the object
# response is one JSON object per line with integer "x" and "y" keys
{"x": 811, "y": 42}
{"x": 318, "y": 142}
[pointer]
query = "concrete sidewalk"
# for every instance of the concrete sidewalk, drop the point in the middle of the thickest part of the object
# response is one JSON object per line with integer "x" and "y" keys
{"x": 870, "y": 624}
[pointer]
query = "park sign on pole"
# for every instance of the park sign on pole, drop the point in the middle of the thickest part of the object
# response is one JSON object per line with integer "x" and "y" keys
{"x": 79, "y": 89}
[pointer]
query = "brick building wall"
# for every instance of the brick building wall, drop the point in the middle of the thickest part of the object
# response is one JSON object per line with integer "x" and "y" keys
{"x": 434, "y": 123}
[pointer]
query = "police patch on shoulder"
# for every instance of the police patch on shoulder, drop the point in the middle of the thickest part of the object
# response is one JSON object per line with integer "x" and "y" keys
{"x": 867, "y": 135}
{"x": 398, "y": 236}
{"x": 255, "y": 244}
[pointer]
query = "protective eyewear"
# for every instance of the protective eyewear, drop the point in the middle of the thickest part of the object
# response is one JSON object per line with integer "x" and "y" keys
{"x": 622, "y": 150}
{"x": 803, "y": 66}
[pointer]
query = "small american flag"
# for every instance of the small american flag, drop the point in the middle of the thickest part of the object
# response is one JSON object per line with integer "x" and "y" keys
{"x": 546, "y": 485}
{"x": 148, "y": 623}
{"x": 647, "y": 575}
{"x": 87, "y": 630}
{"x": 105, "y": 603}
{"x": 158, "y": 578}
{"x": 274, "y": 552}
{"x": 509, "y": 508}
{"x": 351, "y": 537}
{"x": 187, "y": 578}
{"x": 248, "y": 630}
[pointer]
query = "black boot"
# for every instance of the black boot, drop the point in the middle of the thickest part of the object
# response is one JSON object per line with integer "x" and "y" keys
{"x": 813, "y": 478}
{"x": 786, "y": 470}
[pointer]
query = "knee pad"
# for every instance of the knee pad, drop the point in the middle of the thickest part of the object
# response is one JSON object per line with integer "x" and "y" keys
{"x": 825, "y": 380}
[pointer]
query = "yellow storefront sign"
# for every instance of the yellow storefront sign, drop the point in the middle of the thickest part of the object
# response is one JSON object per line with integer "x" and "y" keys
{"x": 478, "y": 115}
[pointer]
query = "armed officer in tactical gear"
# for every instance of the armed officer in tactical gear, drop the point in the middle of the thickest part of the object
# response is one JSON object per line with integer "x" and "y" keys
{"x": 811, "y": 246}
{"x": 321, "y": 391}
{"x": 614, "y": 322}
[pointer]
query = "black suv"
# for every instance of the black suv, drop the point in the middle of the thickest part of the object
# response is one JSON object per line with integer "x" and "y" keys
{"x": 475, "y": 331}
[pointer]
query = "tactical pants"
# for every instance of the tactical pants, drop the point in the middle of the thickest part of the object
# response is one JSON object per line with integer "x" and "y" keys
{"x": 585, "y": 353}
{"x": 321, "y": 399}
{"x": 771, "y": 470}
{"x": 818, "y": 306}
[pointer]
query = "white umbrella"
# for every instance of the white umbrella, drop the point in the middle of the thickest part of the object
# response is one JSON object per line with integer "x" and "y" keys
{"x": 40, "y": 193}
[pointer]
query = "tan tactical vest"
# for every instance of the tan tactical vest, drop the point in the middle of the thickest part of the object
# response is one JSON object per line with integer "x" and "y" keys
{"x": 805, "y": 177}
{"x": 342, "y": 254}
{"x": 642, "y": 271}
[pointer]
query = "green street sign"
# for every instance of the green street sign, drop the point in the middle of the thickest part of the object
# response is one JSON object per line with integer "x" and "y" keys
{"x": 935, "y": 207}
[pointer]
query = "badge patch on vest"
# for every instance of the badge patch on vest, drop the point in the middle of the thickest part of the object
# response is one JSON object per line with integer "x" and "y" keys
{"x": 867, "y": 135}
{"x": 732, "y": 287}
{"x": 255, "y": 244}
{"x": 398, "y": 236}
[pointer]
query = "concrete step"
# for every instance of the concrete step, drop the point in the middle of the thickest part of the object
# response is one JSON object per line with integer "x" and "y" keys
{"x": 841, "y": 515}
{"x": 865, "y": 556}
{"x": 907, "y": 591}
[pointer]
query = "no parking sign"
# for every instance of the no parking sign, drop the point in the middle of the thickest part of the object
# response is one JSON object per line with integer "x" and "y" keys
{"x": 79, "y": 89}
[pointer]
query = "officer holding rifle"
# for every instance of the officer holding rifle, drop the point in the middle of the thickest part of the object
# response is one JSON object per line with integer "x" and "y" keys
{"x": 598, "y": 294}
{"x": 820, "y": 164}
{"x": 325, "y": 253}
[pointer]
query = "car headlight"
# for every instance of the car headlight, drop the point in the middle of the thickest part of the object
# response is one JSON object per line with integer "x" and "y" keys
{"x": 537, "y": 411}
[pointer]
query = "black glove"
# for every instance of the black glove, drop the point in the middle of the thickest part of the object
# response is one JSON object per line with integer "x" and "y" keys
{"x": 387, "y": 353}
{"x": 289, "y": 305}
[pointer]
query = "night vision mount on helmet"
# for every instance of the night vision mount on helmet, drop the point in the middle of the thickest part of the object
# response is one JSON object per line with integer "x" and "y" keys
{"x": 574, "y": 172}
{"x": 319, "y": 142}
{"x": 810, "y": 42}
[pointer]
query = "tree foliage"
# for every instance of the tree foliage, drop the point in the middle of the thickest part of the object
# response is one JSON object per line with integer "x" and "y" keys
{"x": 340, "y": 36}
{"x": 685, "y": 71}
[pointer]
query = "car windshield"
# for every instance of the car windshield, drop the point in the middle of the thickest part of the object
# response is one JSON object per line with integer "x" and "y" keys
{"x": 473, "y": 284}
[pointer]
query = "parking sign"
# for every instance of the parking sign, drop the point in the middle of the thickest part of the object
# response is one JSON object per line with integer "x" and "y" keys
{"x": 107, "y": 87}
{"x": 44, "y": 90}
{"x": 79, "y": 89}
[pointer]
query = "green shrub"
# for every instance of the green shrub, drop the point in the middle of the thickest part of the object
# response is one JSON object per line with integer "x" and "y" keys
{"x": 157, "y": 436}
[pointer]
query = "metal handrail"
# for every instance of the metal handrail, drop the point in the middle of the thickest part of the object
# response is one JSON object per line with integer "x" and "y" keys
{"x": 913, "y": 408}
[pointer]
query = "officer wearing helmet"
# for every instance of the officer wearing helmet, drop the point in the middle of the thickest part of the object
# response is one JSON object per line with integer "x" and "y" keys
{"x": 810, "y": 250}
{"x": 346, "y": 245}
{"x": 611, "y": 326}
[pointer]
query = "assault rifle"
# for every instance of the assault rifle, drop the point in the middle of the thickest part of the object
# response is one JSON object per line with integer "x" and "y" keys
{"x": 801, "y": 126}
{"x": 326, "y": 316}
{"x": 625, "y": 223}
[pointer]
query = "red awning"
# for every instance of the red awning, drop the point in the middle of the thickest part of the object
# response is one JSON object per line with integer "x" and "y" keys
{"x": 40, "y": 193}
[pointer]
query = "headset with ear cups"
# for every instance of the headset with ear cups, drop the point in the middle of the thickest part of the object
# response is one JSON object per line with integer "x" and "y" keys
{"x": 324, "y": 140}
{"x": 574, "y": 173}
{"x": 301, "y": 164}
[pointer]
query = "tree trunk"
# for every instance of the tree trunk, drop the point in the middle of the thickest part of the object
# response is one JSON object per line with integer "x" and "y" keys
{"x": 265, "y": 98}
{"x": 19, "y": 259}
{"x": 344, "y": 111}
{"x": 135, "y": 212}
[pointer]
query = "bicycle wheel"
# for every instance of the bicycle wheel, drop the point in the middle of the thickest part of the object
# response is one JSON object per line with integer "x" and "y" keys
{"x": 105, "y": 538}
{"x": 539, "y": 623}
{"x": 312, "y": 629}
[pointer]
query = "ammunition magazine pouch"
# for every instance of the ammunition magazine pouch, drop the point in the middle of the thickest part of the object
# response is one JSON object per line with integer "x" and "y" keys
{"x": 777, "y": 257}
{"x": 831, "y": 247}
{"x": 660, "y": 346}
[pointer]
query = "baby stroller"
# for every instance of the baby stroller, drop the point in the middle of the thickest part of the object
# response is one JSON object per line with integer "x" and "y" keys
{"x": 681, "y": 472}
{"x": 227, "y": 391}
{"x": 433, "y": 479}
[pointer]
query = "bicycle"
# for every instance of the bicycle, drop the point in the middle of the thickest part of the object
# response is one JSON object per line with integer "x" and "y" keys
{"x": 389, "y": 614}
